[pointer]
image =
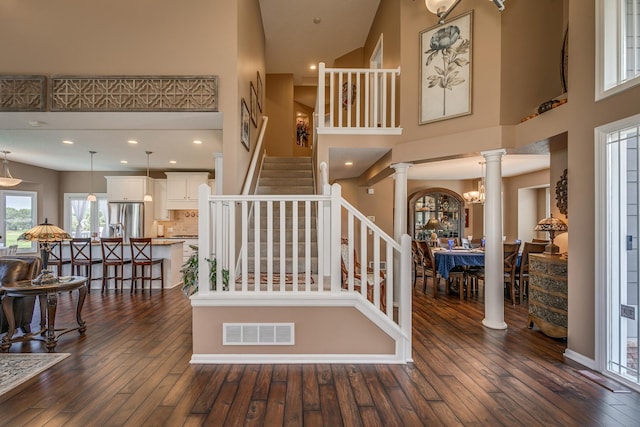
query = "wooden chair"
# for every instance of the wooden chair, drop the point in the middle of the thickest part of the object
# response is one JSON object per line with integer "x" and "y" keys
{"x": 444, "y": 241}
{"x": 427, "y": 265}
{"x": 523, "y": 273}
{"x": 510, "y": 262}
{"x": 142, "y": 257}
{"x": 113, "y": 257}
{"x": 82, "y": 259}
{"x": 510, "y": 259}
{"x": 540, "y": 241}
{"x": 55, "y": 256}
{"x": 360, "y": 275}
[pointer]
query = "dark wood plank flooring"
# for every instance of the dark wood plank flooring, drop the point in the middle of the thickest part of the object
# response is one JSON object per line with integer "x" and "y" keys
{"x": 132, "y": 369}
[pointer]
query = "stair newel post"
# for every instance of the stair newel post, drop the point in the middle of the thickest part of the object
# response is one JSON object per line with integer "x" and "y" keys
{"x": 336, "y": 233}
{"x": 320, "y": 100}
{"x": 205, "y": 237}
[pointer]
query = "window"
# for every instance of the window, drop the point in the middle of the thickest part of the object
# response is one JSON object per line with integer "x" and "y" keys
{"x": 618, "y": 249}
{"x": 83, "y": 218}
{"x": 618, "y": 46}
{"x": 17, "y": 214}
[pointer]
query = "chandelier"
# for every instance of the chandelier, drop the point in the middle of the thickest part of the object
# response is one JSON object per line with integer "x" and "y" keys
{"x": 442, "y": 8}
{"x": 6, "y": 180}
{"x": 479, "y": 195}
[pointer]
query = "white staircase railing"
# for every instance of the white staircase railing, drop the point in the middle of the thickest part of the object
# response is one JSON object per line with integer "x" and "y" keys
{"x": 226, "y": 222}
{"x": 361, "y": 100}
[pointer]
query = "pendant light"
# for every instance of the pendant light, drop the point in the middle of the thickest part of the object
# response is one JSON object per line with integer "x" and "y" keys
{"x": 6, "y": 180}
{"x": 147, "y": 196}
{"x": 92, "y": 197}
{"x": 477, "y": 196}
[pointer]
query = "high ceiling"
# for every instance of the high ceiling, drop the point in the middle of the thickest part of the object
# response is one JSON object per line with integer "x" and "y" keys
{"x": 298, "y": 33}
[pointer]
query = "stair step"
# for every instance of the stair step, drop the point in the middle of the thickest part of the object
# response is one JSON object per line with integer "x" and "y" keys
{"x": 288, "y": 235}
{"x": 286, "y": 173}
{"x": 289, "y": 247}
{"x": 278, "y": 159}
{"x": 275, "y": 190}
{"x": 288, "y": 265}
{"x": 285, "y": 182}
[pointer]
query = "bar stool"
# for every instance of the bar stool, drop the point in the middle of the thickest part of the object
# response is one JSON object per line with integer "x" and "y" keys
{"x": 142, "y": 256}
{"x": 55, "y": 256}
{"x": 82, "y": 259}
{"x": 113, "y": 256}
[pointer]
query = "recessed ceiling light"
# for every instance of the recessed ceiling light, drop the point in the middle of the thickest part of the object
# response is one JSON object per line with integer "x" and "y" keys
{"x": 34, "y": 123}
{"x": 197, "y": 141}
{"x": 173, "y": 162}
{"x": 124, "y": 162}
{"x": 348, "y": 163}
{"x": 66, "y": 141}
{"x": 132, "y": 141}
{"x": 312, "y": 67}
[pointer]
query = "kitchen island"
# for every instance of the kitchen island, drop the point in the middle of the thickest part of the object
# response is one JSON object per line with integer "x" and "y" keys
{"x": 170, "y": 250}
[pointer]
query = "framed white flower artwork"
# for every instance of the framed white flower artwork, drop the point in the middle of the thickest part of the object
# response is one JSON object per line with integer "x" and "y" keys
{"x": 445, "y": 70}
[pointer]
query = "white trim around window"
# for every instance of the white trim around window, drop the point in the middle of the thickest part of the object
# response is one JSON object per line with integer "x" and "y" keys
{"x": 617, "y": 46}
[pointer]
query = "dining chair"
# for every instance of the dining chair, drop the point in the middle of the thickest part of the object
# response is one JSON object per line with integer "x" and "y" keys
{"x": 510, "y": 262}
{"x": 523, "y": 272}
{"x": 55, "y": 256}
{"x": 113, "y": 258}
{"x": 141, "y": 260}
{"x": 82, "y": 259}
{"x": 510, "y": 259}
{"x": 360, "y": 275}
{"x": 429, "y": 269}
{"x": 539, "y": 241}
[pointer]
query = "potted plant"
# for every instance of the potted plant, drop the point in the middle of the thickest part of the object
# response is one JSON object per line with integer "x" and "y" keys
{"x": 189, "y": 272}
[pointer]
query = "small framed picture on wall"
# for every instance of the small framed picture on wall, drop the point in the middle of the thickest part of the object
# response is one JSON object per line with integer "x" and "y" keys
{"x": 245, "y": 124}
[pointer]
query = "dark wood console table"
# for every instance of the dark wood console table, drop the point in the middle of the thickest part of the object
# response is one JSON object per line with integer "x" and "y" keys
{"x": 48, "y": 298}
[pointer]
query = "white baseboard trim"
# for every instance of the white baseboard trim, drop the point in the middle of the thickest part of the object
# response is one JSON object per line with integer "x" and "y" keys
{"x": 579, "y": 358}
{"x": 294, "y": 358}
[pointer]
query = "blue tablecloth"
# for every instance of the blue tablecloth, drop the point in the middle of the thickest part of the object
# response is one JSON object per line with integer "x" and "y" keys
{"x": 446, "y": 260}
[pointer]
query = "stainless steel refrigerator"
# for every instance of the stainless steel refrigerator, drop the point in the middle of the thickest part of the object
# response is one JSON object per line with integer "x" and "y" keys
{"x": 126, "y": 219}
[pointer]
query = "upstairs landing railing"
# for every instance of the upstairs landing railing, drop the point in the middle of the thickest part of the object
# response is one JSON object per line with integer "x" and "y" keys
{"x": 357, "y": 101}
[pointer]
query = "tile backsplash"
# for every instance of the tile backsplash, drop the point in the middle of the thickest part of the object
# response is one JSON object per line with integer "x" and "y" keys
{"x": 182, "y": 222}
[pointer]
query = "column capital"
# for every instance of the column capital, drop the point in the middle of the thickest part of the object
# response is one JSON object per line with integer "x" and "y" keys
{"x": 493, "y": 154}
{"x": 401, "y": 166}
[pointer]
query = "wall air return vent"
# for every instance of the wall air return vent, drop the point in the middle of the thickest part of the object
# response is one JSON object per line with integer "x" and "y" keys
{"x": 258, "y": 334}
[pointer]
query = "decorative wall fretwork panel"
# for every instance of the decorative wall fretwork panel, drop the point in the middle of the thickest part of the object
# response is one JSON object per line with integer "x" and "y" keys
{"x": 134, "y": 93}
{"x": 22, "y": 93}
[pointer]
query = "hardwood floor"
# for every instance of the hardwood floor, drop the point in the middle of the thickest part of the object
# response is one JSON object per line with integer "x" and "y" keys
{"x": 132, "y": 368}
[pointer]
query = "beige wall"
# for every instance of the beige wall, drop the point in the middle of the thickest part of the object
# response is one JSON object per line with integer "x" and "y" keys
{"x": 279, "y": 107}
{"x": 45, "y": 182}
{"x": 361, "y": 337}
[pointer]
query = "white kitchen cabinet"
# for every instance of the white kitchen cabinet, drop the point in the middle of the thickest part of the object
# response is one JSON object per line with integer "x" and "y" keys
{"x": 160, "y": 210}
{"x": 182, "y": 189}
{"x": 127, "y": 188}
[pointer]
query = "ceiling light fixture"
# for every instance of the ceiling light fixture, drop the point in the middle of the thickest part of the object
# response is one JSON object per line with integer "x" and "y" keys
{"x": 92, "y": 197}
{"x": 147, "y": 196}
{"x": 67, "y": 141}
{"x": 477, "y": 196}
{"x": 197, "y": 141}
{"x": 132, "y": 141}
{"x": 6, "y": 180}
{"x": 442, "y": 8}
{"x": 348, "y": 163}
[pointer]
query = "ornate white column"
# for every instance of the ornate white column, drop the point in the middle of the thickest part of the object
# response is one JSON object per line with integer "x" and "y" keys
{"x": 493, "y": 258}
{"x": 399, "y": 216}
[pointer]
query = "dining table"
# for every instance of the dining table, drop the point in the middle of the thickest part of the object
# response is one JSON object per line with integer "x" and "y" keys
{"x": 465, "y": 258}
{"x": 447, "y": 259}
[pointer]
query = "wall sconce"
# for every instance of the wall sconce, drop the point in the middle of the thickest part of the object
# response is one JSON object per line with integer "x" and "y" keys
{"x": 442, "y": 8}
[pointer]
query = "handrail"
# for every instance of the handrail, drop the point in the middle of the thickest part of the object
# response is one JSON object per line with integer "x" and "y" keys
{"x": 251, "y": 172}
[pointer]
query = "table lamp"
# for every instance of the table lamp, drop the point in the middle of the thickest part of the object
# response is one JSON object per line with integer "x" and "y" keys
{"x": 433, "y": 224}
{"x": 552, "y": 226}
{"x": 45, "y": 233}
